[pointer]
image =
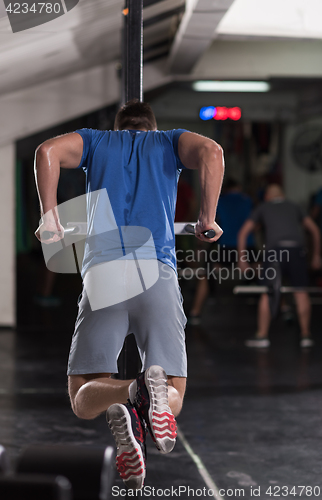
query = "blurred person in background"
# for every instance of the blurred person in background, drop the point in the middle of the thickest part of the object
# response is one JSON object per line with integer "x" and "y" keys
{"x": 316, "y": 210}
{"x": 234, "y": 207}
{"x": 316, "y": 213}
{"x": 283, "y": 222}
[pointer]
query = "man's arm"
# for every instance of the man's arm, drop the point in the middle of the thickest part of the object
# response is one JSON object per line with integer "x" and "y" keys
{"x": 245, "y": 230}
{"x": 205, "y": 155}
{"x": 61, "y": 152}
{"x": 313, "y": 229}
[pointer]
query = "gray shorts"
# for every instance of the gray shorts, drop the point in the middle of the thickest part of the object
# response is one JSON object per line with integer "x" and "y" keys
{"x": 156, "y": 318}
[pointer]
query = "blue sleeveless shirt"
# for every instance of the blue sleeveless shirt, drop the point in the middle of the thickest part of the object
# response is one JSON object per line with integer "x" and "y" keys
{"x": 139, "y": 171}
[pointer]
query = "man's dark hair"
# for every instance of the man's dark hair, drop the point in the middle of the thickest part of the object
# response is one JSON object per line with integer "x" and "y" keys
{"x": 137, "y": 115}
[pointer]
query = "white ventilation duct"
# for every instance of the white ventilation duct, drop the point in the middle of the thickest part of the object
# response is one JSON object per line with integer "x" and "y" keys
{"x": 196, "y": 32}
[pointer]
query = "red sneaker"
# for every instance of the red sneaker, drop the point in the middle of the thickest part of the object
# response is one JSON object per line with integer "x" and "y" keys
{"x": 129, "y": 434}
{"x": 149, "y": 395}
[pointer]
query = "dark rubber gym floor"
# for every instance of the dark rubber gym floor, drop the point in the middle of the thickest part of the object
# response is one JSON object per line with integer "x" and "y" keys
{"x": 252, "y": 417}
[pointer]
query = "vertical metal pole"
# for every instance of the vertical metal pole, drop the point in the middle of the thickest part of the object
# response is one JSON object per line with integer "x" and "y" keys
{"x": 132, "y": 87}
{"x": 132, "y": 66}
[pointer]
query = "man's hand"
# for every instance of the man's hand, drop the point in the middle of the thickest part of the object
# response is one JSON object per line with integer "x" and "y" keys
{"x": 50, "y": 223}
{"x": 202, "y": 227}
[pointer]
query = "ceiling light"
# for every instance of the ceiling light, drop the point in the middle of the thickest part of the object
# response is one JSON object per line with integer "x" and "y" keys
{"x": 230, "y": 86}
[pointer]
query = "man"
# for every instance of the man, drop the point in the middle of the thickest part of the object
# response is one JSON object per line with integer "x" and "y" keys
{"x": 283, "y": 223}
{"x": 139, "y": 168}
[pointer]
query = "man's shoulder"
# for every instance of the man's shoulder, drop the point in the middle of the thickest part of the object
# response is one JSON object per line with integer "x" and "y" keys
{"x": 92, "y": 130}
{"x": 91, "y": 133}
{"x": 104, "y": 137}
{"x": 172, "y": 132}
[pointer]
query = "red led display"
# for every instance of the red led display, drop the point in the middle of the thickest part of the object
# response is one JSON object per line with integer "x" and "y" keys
{"x": 223, "y": 113}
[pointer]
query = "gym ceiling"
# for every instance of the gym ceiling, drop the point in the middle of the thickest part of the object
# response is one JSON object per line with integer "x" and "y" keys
{"x": 71, "y": 65}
